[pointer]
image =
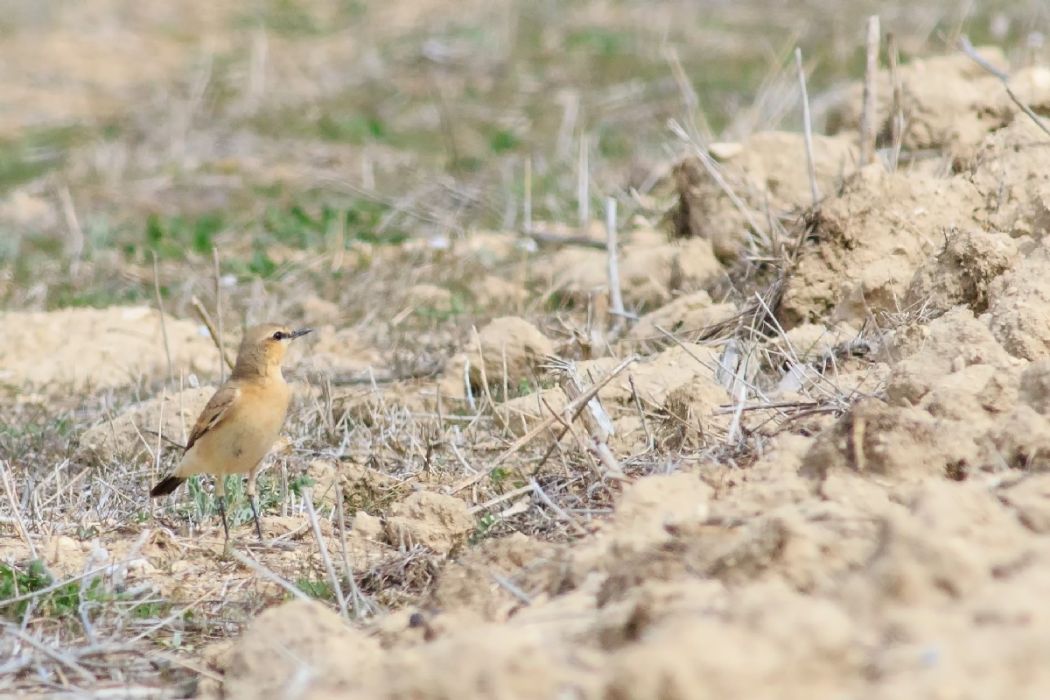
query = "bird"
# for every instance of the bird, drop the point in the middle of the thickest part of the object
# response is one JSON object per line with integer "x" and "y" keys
{"x": 241, "y": 421}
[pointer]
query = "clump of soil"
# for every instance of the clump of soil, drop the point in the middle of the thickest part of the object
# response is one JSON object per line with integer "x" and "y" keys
{"x": 766, "y": 173}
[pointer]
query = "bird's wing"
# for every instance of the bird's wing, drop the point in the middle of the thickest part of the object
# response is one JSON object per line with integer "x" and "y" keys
{"x": 217, "y": 410}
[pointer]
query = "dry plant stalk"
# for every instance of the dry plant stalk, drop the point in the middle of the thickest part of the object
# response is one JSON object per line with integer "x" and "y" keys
{"x": 163, "y": 325}
{"x": 690, "y": 100}
{"x": 572, "y": 409}
{"x": 807, "y": 128}
{"x": 583, "y": 185}
{"x": 897, "y": 118}
{"x": 509, "y": 495}
{"x": 527, "y": 204}
{"x": 612, "y": 255}
{"x": 969, "y": 50}
{"x": 481, "y": 368}
{"x": 597, "y": 422}
{"x": 218, "y": 311}
{"x": 559, "y": 239}
{"x": 156, "y": 462}
{"x": 356, "y": 597}
{"x": 16, "y": 512}
{"x": 333, "y": 580}
{"x": 558, "y": 510}
{"x": 75, "y": 248}
{"x": 868, "y": 126}
{"x": 270, "y": 576}
{"x": 205, "y": 318}
{"x": 709, "y": 165}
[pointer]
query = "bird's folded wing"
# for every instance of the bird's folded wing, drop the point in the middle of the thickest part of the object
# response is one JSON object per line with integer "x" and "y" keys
{"x": 218, "y": 409}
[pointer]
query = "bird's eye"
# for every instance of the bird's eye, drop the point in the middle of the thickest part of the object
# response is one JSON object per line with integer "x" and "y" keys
{"x": 279, "y": 336}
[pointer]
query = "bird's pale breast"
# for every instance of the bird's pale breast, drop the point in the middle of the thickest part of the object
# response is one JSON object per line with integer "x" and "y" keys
{"x": 245, "y": 436}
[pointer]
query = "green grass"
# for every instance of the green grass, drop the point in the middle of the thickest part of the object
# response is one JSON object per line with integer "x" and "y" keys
{"x": 66, "y": 600}
{"x": 604, "y": 42}
{"x": 354, "y": 128}
{"x": 457, "y": 306}
{"x": 306, "y": 225}
{"x": 485, "y": 524}
{"x": 62, "y": 296}
{"x": 37, "y": 152}
{"x": 503, "y": 140}
{"x": 63, "y": 601}
{"x": 318, "y": 589}
{"x": 203, "y": 505}
{"x": 499, "y": 475}
{"x": 173, "y": 237}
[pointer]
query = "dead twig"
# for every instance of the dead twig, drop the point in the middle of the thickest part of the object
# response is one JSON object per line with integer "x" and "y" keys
{"x": 574, "y": 407}
{"x": 50, "y": 652}
{"x": 205, "y": 318}
{"x": 551, "y": 238}
{"x": 597, "y": 422}
{"x": 76, "y": 233}
{"x": 501, "y": 498}
{"x": 968, "y": 49}
{"x": 527, "y": 203}
{"x": 337, "y": 590}
{"x": 868, "y": 128}
{"x": 558, "y": 510}
{"x": 807, "y": 128}
{"x": 356, "y": 598}
{"x": 897, "y": 118}
{"x": 270, "y": 576}
{"x": 163, "y": 325}
{"x": 583, "y": 184}
{"x": 612, "y": 255}
{"x": 12, "y": 499}
{"x": 218, "y": 312}
{"x": 713, "y": 172}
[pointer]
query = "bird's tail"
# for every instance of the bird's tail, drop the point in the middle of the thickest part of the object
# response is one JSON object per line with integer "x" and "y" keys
{"x": 166, "y": 486}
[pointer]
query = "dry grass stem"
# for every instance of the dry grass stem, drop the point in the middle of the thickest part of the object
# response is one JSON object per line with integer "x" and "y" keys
{"x": 218, "y": 315}
{"x": 897, "y": 119}
{"x": 583, "y": 184}
{"x": 868, "y": 124}
{"x": 213, "y": 332}
{"x": 357, "y": 600}
{"x": 807, "y": 128}
{"x": 574, "y": 407}
{"x": 969, "y": 50}
{"x": 527, "y": 202}
{"x": 502, "y": 498}
{"x": 612, "y": 256}
{"x": 333, "y": 580}
{"x": 163, "y": 323}
{"x": 12, "y": 500}
{"x": 261, "y": 571}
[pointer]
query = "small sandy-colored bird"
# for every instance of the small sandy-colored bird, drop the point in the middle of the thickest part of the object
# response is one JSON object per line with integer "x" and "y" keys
{"x": 242, "y": 420}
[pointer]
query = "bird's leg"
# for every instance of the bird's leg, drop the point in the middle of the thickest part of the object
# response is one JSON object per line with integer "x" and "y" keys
{"x": 220, "y": 497}
{"x": 222, "y": 513}
{"x": 251, "y": 499}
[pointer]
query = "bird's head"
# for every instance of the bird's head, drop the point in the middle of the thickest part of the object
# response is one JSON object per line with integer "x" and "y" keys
{"x": 263, "y": 347}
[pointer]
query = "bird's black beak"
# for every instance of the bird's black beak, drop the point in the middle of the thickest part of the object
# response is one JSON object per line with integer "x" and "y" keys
{"x": 301, "y": 332}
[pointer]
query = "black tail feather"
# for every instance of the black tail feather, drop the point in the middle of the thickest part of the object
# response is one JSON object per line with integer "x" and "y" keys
{"x": 166, "y": 486}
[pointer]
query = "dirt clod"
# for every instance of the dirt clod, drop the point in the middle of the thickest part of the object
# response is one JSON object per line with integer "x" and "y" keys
{"x": 430, "y": 519}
